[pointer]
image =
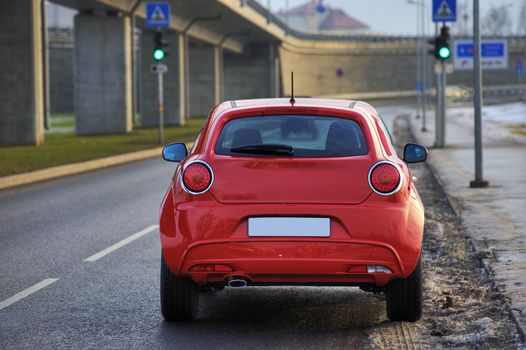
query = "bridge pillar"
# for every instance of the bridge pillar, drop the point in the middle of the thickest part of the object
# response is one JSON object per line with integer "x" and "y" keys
{"x": 103, "y": 93}
{"x": 174, "y": 108}
{"x": 201, "y": 79}
{"x": 274, "y": 71}
{"x": 21, "y": 79}
{"x": 252, "y": 74}
{"x": 218, "y": 74}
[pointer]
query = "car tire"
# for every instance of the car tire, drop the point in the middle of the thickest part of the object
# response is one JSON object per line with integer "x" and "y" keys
{"x": 404, "y": 297}
{"x": 179, "y": 296}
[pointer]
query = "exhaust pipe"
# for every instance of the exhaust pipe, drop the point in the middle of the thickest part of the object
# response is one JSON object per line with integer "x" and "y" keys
{"x": 237, "y": 282}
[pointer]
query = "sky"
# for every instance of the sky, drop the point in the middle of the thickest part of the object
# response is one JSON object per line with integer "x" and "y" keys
{"x": 399, "y": 16}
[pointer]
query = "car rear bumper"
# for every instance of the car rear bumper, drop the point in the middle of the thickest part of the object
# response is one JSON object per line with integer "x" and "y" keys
{"x": 372, "y": 233}
{"x": 291, "y": 261}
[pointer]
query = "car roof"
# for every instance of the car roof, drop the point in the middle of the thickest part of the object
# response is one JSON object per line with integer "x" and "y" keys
{"x": 359, "y": 106}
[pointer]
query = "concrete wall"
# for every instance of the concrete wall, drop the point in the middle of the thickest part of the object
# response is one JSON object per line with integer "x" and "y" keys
{"x": 61, "y": 78}
{"x": 333, "y": 73}
{"x": 364, "y": 70}
{"x": 21, "y": 79}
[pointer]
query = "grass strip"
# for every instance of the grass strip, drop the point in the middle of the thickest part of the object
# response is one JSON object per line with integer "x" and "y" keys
{"x": 66, "y": 148}
{"x": 517, "y": 129}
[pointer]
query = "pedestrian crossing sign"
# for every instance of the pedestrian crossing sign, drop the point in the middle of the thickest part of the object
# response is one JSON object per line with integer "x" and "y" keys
{"x": 157, "y": 14}
{"x": 444, "y": 10}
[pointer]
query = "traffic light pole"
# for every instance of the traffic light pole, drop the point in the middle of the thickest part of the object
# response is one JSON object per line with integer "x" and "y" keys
{"x": 440, "y": 122}
{"x": 440, "y": 138}
{"x": 442, "y": 52}
{"x": 438, "y": 93}
{"x": 161, "y": 105}
{"x": 159, "y": 53}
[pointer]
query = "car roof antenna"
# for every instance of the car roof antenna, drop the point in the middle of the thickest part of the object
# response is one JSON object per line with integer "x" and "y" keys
{"x": 292, "y": 101}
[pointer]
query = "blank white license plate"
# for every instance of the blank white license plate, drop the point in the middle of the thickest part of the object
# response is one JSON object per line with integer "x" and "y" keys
{"x": 289, "y": 227}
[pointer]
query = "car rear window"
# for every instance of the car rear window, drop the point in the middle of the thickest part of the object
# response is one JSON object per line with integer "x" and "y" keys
{"x": 309, "y": 136}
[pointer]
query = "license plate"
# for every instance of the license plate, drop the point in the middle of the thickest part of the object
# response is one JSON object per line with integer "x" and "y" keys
{"x": 289, "y": 227}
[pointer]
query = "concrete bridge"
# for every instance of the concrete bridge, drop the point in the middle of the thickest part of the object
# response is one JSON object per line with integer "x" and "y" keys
{"x": 220, "y": 49}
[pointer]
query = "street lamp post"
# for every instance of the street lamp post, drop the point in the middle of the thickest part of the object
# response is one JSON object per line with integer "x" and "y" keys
{"x": 417, "y": 56}
{"x": 421, "y": 60}
{"x": 424, "y": 65}
{"x": 477, "y": 99}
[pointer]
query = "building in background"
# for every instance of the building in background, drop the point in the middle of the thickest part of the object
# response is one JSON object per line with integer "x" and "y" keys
{"x": 316, "y": 16}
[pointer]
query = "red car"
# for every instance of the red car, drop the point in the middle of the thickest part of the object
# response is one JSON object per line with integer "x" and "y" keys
{"x": 284, "y": 192}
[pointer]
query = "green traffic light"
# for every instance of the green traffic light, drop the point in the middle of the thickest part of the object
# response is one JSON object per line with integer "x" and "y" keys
{"x": 158, "y": 54}
{"x": 444, "y": 52}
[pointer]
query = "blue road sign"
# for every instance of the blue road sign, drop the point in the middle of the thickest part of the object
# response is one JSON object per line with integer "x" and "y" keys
{"x": 444, "y": 10}
{"x": 492, "y": 49}
{"x": 493, "y": 52}
{"x": 320, "y": 8}
{"x": 519, "y": 66}
{"x": 157, "y": 14}
{"x": 420, "y": 86}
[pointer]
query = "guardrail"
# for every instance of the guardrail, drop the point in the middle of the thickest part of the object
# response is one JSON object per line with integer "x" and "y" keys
{"x": 377, "y": 95}
{"x": 454, "y": 92}
{"x": 504, "y": 90}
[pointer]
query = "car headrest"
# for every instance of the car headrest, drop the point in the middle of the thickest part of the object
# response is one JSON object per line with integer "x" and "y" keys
{"x": 246, "y": 137}
{"x": 343, "y": 138}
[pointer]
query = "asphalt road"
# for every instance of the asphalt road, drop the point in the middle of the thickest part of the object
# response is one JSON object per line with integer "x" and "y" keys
{"x": 79, "y": 269}
{"x": 61, "y": 288}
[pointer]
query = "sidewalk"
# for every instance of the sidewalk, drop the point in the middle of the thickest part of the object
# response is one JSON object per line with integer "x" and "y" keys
{"x": 494, "y": 217}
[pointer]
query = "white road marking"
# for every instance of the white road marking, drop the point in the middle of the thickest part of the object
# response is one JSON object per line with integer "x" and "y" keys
{"x": 27, "y": 292}
{"x": 120, "y": 244}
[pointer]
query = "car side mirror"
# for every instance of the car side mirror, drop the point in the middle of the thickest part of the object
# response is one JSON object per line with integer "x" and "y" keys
{"x": 175, "y": 152}
{"x": 414, "y": 153}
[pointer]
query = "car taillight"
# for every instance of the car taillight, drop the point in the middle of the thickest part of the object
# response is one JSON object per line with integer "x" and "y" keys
{"x": 197, "y": 177}
{"x": 385, "y": 178}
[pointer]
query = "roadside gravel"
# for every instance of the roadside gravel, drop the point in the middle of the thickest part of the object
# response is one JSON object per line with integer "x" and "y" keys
{"x": 462, "y": 307}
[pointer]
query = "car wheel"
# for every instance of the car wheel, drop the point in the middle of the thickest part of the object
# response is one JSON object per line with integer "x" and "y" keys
{"x": 404, "y": 297}
{"x": 179, "y": 296}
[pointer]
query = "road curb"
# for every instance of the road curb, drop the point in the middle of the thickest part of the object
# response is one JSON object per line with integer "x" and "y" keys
{"x": 484, "y": 259}
{"x": 76, "y": 168}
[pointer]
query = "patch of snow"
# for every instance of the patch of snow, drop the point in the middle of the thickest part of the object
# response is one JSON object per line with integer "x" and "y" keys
{"x": 511, "y": 113}
{"x": 495, "y": 119}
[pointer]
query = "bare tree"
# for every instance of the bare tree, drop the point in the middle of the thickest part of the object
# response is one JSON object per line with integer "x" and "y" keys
{"x": 497, "y": 21}
{"x": 461, "y": 26}
{"x": 521, "y": 27}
